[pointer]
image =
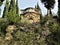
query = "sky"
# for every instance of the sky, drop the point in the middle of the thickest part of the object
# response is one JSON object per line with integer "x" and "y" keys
{"x": 31, "y": 3}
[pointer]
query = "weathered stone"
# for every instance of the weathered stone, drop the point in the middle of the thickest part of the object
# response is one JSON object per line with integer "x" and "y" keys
{"x": 8, "y": 37}
{"x": 31, "y": 14}
{"x": 10, "y": 28}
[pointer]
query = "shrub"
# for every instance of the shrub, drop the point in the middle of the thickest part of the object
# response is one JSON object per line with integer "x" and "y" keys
{"x": 3, "y": 25}
{"x": 58, "y": 13}
{"x": 13, "y": 19}
{"x": 54, "y": 37}
{"x": 53, "y": 26}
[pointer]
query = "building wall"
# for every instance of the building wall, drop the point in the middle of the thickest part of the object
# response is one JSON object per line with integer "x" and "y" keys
{"x": 31, "y": 14}
{"x": 32, "y": 17}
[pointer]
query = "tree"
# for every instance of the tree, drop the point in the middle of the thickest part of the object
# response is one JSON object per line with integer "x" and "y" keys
{"x": 58, "y": 13}
{"x": 39, "y": 10}
{"x": 37, "y": 6}
{"x": 49, "y": 4}
{"x": 13, "y": 16}
{"x": 59, "y": 9}
{"x": 1, "y": 2}
{"x": 58, "y": 3}
{"x": 17, "y": 9}
{"x": 5, "y": 13}
{"x": 54, "y": 37}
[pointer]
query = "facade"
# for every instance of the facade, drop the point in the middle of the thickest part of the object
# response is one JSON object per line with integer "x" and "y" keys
{"x": 31, "y": 14}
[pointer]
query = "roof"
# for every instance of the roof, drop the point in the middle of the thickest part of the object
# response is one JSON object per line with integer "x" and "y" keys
{"x": 24, "y": 11}
{"x": 30, "y": 13}
{"x": 27, "y": 8}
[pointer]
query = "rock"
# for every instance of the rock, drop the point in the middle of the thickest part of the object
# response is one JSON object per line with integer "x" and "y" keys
{"x": 10, "y": 28}
{"x": 8, "y": 37}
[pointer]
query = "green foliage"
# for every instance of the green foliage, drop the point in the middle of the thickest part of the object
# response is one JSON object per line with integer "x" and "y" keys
{"x": 17, "y": 9}
{"x": 53, "y": 27}
{"x": 58, "y": 3}
{"x": 59, "y": 13}
{"x": 43, "y": 20}
{"x": 24, "y": 21}
{"x": 13, "y": 18}
{"x": 54, "y": 37}
{"x": 24, "y": 38}
{"x": 37, "y": 7}
{"x": 26, "y": 33}
{"x": 0, "y": 11}
{"x": 3, "y": 25}
{"x": 5, "y": 13}
{"x": 1, "y": 2}
{"x": 48, "y": 3}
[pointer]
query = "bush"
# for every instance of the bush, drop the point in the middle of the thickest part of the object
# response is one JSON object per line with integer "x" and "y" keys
{"x": 54, "y": 37}
{"x": 59, "y": 13}
{"x": 53, "y": 27}
{"x": 43, "y": 21}
{"x": 13, "y": 19}
{"x": 24, "y": 38}
{"x": 3, "y": 25}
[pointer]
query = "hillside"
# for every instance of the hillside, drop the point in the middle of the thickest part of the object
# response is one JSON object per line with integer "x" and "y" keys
{"x": 28, "y": 26}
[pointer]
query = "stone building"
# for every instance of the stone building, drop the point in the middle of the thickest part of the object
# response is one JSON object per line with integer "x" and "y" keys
{"x": 31, "y": 14}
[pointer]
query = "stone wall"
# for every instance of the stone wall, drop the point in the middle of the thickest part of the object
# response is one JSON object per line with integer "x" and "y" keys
{"x": 32, "y": 17}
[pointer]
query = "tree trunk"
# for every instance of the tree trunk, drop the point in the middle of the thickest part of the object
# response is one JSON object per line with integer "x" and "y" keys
{"x": 48, "y": 16}
{"x": 5, "y": 12}
{"x": 48, "y": 12}
{"x": 59, "y": 10}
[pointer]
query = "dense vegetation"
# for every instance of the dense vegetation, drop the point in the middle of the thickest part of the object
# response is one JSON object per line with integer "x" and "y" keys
{"x": 24, "y": 33}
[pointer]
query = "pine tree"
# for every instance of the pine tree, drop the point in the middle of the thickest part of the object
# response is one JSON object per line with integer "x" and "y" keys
{"x": 38, "y": 7}
{"x": 59, "y": 10}
{"x": 58, "y": 3}
{"x": 17, "y": 9}
{"x": 49, "y": 4}
{"x": 39, "y": 10}
{"x": 13, "y": 16}
{"x": 1, "y": 2}
{"x": 35, "y": 6}
{"x": 5, "y": 13}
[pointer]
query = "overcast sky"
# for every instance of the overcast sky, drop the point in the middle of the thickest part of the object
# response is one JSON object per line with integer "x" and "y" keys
{"x": 31, "y": 3}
